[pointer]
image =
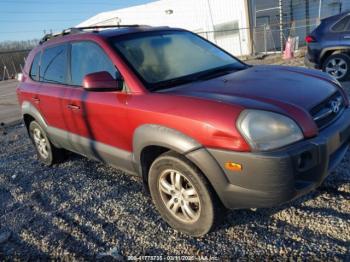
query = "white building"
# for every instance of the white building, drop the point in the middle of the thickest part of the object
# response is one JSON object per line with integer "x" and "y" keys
{"x": 200, "y": 16}
{"x": 241, "y": 27}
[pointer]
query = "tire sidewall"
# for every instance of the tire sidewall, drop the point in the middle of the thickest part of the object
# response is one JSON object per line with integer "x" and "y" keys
{"x": 345, "y": 57}
{"x": 48, "y": 161}
{"x": 206, "y": 219}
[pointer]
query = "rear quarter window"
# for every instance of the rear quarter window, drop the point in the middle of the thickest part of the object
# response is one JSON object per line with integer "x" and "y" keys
{"x": 342, "y": 25}
{"x": 34, "y": 69}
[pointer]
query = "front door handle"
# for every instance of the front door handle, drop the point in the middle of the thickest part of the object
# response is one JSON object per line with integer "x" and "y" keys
{"x": 73, "y": 107}
{"x": 347, "y": 37}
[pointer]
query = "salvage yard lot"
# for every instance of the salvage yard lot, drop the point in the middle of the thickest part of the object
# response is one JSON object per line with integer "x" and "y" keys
{"x": 83, "y": 209}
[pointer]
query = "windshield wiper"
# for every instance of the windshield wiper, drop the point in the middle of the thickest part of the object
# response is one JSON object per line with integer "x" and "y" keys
{"x": 173, "y": 82}
{"x": 216, "y": 72}
{"x": 208, "y": 74}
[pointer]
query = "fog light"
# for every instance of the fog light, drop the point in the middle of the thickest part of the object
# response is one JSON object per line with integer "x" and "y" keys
{"x": 304, "y": 160}
{"x": 233, "y": 166}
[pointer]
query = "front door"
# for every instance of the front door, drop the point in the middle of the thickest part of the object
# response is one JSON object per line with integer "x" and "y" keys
{"x": 98, "y": 121}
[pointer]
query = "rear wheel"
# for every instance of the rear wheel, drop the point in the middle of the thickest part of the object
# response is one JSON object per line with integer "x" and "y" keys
{"x": 46, "y": 151}
{"x": 182, "y": 195}
{"x": 338, "y": 66}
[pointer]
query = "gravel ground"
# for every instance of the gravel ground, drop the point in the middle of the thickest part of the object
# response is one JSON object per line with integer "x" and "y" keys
{"x": 84, "y": 210}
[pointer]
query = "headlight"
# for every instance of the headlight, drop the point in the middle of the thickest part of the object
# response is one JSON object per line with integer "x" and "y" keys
{"x": 265, "y": 130}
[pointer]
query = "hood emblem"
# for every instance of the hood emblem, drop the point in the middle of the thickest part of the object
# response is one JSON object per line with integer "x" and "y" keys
{"x": 335, "y": 106}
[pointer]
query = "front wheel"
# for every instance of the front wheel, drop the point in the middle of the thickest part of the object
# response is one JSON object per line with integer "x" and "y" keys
{"x": 182, "y": 195}
{"x": 338, "y": 66}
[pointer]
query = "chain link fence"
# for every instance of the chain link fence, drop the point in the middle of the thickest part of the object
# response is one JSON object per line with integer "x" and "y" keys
{"x": 11, "y": 63}
{"x": 263, "y": 39}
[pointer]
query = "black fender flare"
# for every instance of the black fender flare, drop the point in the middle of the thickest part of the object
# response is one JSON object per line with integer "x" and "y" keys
{"x": 28, "y": 109}
{"x": 156, "y": 135}
{"x": 333, "y": 48}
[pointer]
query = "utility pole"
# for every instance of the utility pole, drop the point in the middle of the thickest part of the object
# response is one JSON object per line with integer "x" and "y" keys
{"x": 320, "y": 11}
{"x": 211, "y": 19}
{"x": 250, "y": 25}
{"x": 280, "y": 5}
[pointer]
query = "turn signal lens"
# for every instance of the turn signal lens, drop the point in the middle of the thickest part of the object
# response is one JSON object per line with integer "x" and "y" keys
{"x": 233, "y": 166}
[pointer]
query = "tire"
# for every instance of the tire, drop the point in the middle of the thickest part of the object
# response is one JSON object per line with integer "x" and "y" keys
{"x": 338, "y": 66}
{"x": 47, "y": 153}
{"x": 197, "y": 212}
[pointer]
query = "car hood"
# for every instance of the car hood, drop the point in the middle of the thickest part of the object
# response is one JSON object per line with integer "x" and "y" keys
{"x": 275, "y": 88}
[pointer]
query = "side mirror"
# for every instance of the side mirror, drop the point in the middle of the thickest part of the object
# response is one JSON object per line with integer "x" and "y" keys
{"x": 102, "y": 81}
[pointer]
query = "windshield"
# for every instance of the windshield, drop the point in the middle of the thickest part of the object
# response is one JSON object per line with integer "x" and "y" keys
{"x": 165, "y": 59}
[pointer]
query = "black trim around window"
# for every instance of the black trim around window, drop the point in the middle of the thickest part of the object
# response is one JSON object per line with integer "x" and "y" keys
{"x": 38, "y": 67}
{"x": 68, "y": 73}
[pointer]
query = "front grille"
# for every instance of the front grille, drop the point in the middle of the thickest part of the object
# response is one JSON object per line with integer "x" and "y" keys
{"x": 328, "y": 111}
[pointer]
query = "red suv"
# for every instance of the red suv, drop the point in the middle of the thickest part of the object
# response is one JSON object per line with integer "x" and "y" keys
{"x": 203, "y": 130}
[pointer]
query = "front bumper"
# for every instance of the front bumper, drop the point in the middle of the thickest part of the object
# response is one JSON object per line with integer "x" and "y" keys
{"x": 272, "y": 178}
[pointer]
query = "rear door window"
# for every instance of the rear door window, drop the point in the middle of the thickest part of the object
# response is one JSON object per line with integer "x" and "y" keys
{"x": 342, "y": 25}
{"x": 53, "y": 68}
{"x": 34, "y": 70}
{"x": 86, "y": 58}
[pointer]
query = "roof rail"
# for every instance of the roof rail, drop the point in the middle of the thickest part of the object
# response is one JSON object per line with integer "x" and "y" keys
{"x": 103, "y": 26}
{"x": 75, "y": 30}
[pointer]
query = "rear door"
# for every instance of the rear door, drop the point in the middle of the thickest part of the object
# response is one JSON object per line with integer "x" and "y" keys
{"x": 53, "y": 78}
{"x": 30, "y": 88}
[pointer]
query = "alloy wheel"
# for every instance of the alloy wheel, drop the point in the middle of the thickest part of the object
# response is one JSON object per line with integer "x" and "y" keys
{"x": 41, "y": 143}
{"x": 337, "y": 67}
{"x": 179, "y": 196}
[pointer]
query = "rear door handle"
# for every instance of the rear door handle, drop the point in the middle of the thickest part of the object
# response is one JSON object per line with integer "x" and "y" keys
{"x": 36, "y": 99}
{"x": 347, "y": 37}
{"x": 73, "y": 107}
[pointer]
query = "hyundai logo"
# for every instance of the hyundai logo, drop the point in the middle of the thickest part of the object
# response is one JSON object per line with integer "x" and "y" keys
{"x": 335, "y": 106}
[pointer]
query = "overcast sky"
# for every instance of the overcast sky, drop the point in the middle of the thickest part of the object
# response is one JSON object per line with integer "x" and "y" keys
{"x": 27, "y": 19}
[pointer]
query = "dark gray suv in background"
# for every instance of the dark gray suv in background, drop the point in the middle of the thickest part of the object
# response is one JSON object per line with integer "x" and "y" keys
{"x": 329, "y": 46}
